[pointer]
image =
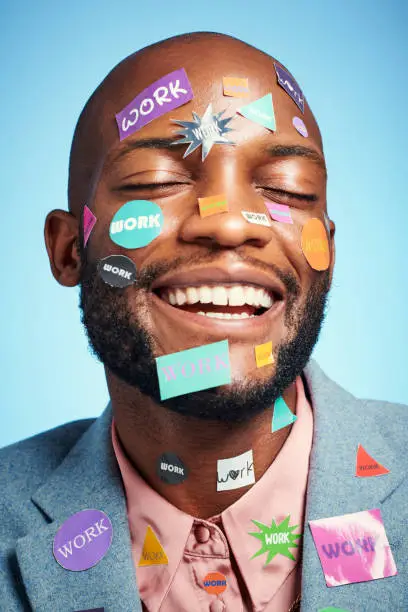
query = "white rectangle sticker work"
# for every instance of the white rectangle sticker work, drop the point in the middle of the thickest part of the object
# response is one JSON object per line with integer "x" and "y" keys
{"x": 258, "y": 218}
{"x": 235, "y": 472}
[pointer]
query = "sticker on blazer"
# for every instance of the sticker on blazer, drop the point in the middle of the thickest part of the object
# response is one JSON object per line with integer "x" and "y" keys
{"x": 276, "y": 539}
{"x": 367, "y": 466}
{"x": 331, "y": 609}
{"x": 92, "y": 610}
{"x": 83, "y": 540}
{"x": 353, "y": 547}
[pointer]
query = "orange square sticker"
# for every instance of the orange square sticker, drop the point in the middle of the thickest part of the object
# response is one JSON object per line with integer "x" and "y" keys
{"x": 263, "y": 354}
{"x": 235, "y": 87}
{"x": 213, "y": 205}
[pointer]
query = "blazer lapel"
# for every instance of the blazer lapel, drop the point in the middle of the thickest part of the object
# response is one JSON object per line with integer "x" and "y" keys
{"x": 341, "y": 422}
{"x": 87, "y": 478}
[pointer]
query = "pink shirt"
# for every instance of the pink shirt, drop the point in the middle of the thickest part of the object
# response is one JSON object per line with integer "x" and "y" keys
{"x": 196, "y": 547}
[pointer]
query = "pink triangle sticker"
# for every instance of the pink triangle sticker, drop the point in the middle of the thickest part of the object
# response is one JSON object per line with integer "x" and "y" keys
{"x": 89, "y": 222}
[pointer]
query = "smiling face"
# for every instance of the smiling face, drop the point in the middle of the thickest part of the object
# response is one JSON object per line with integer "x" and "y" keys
{"x": 204, "y": 278}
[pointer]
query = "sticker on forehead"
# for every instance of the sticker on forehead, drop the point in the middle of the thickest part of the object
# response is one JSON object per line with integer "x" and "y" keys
{"x": 88, "y": 222}
{"x": 235, "y": 87}
{"x": 195, "y": 369}
{"x": 257, "y": 218}
{"x": 136, "y": 224}
{"x": 315, "y": 245}
{"x": 289, "y": 84}
{"x": 299, "y": 125}
{"x": 279, "y": 212}
{"x": 166, "y": 94}
{"x": 83, "y": 540}
{"x": 353, "y": 547}
{"x": 261, "y": 111}
{"x": 212, "y": 205}
{"x": 117, "y": 271}
{"x": 235, "y": 472}
{"x": 208, "y": 130}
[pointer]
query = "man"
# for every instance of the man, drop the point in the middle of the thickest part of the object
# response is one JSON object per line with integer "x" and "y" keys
{"x": 228, "y": 472}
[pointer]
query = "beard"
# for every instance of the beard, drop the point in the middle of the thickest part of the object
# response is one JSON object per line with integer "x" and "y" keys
{"x": 125, "y": 346}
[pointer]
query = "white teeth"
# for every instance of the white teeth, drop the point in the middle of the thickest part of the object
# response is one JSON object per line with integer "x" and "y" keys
{"x": 205, "y": 295}
{"x": 219, "y": 295}
{"x": 236, "y": 296}
{"x": 181, "y": 297}
{"x": 192, "y": 295}
{"x": 172, "y": 298}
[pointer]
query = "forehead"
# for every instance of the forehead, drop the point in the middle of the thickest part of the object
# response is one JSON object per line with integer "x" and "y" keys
{"x": 206, "y": 63}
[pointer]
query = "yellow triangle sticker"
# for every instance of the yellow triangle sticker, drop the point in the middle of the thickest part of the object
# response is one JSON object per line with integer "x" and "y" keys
{"x": 152, "y": 552}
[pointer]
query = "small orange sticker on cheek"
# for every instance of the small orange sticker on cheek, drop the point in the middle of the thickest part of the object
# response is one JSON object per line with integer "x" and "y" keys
{"x": 315, "y": 245}
{"x": 213, "y": 205}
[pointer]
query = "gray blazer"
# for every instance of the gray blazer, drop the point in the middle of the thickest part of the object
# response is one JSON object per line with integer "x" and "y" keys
{"x": 47, "y": 478}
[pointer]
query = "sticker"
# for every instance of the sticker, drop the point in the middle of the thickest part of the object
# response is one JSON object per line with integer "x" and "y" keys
{"x": 212, "y": 205}
{"x": 315, "y": 245}
{"x": 276, "y": 539}
{"x": 152, "y": 552}
{"x": 263, "y": 354}
{"x": 136, "y": 224}
{"x": 289, "y": 84}
{"x": 235, "y": 87}
{"x": 353, "y": 547}
{"x": 195, "y": 369}
{"x": 166, "y": 94}
{"x": 331, "y": 609}
{"x": 83, "y": 540}
{"x": 279, "y": 212}
{"x": 92, "y": 610}
{"x": 299, "y": 125}
{"x": 171, "y": 469}
{"x": 208, "y": 130}
{"x": 215, "y": 583}
{"x": 366, "y": 466}
{"x": 236, "y": 472}
{"x": 117, "y": 271}
{"x": 282, "y": 415}
{"x": 261, "y": 112}
{"x": 258, "y": 218}
{"x": 89, "y": 222}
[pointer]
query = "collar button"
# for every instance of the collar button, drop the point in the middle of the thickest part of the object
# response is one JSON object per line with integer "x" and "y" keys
{"x": 202, "y": 534}
{"x": 217, "y": 606}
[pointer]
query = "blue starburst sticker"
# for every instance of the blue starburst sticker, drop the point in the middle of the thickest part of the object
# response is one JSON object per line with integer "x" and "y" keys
{"x": 207, "y": 130}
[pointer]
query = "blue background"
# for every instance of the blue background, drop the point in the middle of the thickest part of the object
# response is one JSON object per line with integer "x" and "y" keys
{"x": 351, "y": 61}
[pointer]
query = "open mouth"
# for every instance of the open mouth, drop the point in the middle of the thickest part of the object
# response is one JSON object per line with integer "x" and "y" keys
{"x": 226, "y": 301}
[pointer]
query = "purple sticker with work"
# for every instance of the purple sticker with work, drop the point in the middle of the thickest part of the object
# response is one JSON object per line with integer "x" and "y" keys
{"x": 166, "y": 94}
{"x": 83, "y": 540}
{"x": 289, "y": 84}
{"x": 89, "y": 222}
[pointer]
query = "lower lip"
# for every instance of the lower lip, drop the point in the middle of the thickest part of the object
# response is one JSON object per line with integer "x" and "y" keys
{"x": 240, "y": 328}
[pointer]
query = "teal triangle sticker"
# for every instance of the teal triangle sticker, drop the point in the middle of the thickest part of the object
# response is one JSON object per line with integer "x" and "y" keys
{"x": 261, "y": 111}
{"x": 282, "y": 415}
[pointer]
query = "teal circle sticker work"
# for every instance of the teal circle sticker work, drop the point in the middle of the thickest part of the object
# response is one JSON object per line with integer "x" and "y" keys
{"x": 136, "y": 224}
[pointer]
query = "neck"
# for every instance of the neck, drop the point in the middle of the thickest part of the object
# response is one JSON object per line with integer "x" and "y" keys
{"x": 147, "y": 430}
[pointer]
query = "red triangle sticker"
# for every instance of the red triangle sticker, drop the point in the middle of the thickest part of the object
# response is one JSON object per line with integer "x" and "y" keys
{"x": 367, "y": 466}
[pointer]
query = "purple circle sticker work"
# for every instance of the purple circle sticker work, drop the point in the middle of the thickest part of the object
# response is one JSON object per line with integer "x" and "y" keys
{"x": 83, "y": 540}
{"x": 299, "y": 125}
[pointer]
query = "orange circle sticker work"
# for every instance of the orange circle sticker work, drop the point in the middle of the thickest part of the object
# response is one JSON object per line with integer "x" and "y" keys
{"x": 315, "y": 245}
{"x": 215, "y": 583}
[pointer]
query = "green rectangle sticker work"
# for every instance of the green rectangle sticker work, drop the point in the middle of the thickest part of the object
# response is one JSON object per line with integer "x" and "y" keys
{"x": 196, "y": 369}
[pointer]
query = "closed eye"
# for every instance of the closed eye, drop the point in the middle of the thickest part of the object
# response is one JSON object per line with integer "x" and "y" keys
{"x": 273, "y": 193}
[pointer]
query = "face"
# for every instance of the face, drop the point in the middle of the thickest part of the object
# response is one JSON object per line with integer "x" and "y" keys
{"x": 203, "y": 280}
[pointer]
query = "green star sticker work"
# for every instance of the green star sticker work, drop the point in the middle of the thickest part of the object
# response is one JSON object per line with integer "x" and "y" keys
{"x": 276, "y": 539}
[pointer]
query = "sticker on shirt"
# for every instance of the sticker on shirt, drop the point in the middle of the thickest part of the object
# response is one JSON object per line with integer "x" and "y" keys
{"x": 117, "y": 271}
{"x": 83, "y": 540}
{"x": 208, "y": 130}
{"x": 282, "y": 415}
{"x": 171, "y": 469}
{"x": 299, "y": 125}
{"x": 235, "y": 87}
{"x": 235, "y": 472}
{"x": 279, "y": 212}
{"x": 152, "y": 552}
{"x": 288, "y": 83}
{"x": 315, "y": 245}
{"x": 257, "y": 218}
{"x": 331, "y": 609}
{"x": 263, "y": 354}
{"x": 215, "y": 583}
{"x": 366, "y": 466}
{"x": 136, "y": 224}
{"x": 277, "y": 539}
{"x": 166, "y": 94}
{"x": 353, "y": 547}
{"x": 195, "y": 369}
{"x": 89, "y": 221}
{"x": 260, "y": 111}
{"x": 212, "y": 205}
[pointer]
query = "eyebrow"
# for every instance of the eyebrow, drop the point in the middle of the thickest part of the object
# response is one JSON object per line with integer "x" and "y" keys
{"x": 297, "y": 151}
{"x": 169, "y": 144}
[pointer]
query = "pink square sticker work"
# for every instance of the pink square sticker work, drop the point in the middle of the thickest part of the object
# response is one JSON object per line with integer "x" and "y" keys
{"x": 353, "y": 547}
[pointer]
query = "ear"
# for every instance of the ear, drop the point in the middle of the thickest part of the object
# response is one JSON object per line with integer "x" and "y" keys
{"x": 61, "y": 233}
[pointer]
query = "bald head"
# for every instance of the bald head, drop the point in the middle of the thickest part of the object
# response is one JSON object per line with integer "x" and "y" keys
{"x": 206, "y": 56}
